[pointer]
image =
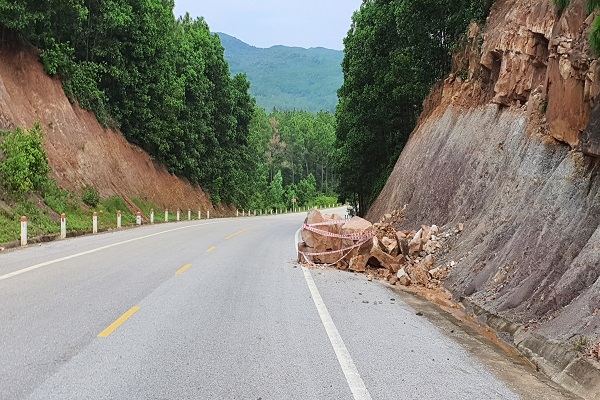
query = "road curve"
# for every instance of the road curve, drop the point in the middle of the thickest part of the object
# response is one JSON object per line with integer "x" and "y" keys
{"x": 217, "y": 310}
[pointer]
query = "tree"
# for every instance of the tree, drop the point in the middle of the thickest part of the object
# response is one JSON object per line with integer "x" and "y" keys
{"x": 395, "y": 51}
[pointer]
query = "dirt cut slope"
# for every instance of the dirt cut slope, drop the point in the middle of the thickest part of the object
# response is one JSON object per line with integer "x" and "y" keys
{"x": 81, "y": 152}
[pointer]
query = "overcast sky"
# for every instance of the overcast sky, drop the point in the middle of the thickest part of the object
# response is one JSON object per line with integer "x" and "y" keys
{"x": 264, "y": 23}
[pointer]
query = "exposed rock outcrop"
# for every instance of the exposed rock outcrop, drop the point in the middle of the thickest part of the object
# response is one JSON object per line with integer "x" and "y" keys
{"x": 509, "y": 145}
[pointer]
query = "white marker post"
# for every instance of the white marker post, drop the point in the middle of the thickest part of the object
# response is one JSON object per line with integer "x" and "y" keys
{"x": 138, "y": 218}
{"x": 189, "y": 215}
{"x": 207, "y": 214}
{"x": 178, "y": 214}
{"x": 243, "y": 213}
{"x": 119, "y": 219}
{"x": 255, "y": 213}
{"x": 166, "y": 215}
{"x": 237, "y": 213}
{"x": 63, "y": 226}
{"x": 199, "y": 215}
{"x": 152, "y": 215}
{"x": 23, "y": 231}
{"x": 95, "y": 223}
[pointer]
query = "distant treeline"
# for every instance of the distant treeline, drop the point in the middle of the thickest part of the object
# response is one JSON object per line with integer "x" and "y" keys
{"x": 288, "y": 78}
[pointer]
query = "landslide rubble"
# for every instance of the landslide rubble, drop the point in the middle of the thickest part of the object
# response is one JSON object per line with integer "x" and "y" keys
{"x": 401, "y": 257}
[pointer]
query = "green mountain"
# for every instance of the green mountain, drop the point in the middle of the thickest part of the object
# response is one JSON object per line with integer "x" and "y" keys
{"x": 287, "y": 78}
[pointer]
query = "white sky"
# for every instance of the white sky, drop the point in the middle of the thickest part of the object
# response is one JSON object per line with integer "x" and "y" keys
{"x": 264, "y": 23}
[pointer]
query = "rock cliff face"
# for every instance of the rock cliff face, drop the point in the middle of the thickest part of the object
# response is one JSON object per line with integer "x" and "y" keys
{"x": 81, "y": 153}
{"x": 510, "y": 146}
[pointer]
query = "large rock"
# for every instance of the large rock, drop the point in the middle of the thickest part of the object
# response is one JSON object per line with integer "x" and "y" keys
{"x": 385, "y": 260}
{"x": 390, "y": 246}
{"x": 359, "y": 263}
{"x": 313, "y": 217}
{"x": 416, "y": 244}
{"x": 419, "y": 274}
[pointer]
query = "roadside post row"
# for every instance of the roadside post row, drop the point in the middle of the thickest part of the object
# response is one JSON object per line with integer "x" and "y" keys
{"x": 138, "y": 219}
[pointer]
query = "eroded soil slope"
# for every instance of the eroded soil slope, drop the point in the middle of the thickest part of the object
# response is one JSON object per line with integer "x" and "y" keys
{"x": 81, "y": 152}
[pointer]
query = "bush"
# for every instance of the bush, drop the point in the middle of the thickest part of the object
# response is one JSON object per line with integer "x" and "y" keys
{"x": 90, "y": 197}
{"x": 325, "y": 201}
{"x": 561, "y": 5}
{"x": 25, "y": 166}
{"x": 594, "y": 37}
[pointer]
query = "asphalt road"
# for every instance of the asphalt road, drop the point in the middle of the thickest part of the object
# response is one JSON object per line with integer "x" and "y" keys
{"x": 218, "y": 310}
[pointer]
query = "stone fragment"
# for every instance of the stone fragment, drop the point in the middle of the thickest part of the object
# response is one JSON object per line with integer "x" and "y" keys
{"x": 461, "y": 227}
{"x": 415, "y": 245}
{"x": 428, "y": 261}
{"x": 403, "y": 278}
{"x": 385, "y": 260}
{"x": 359, "y": 263}
{"x": 425, "y": 233}
{"x": 390, "y": 246}
{"x": 393, "y": 280}
{"x": 419, "y": 274}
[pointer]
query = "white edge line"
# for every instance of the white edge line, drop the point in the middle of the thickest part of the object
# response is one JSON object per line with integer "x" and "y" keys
{"x": 357, "y": 386}
{"x": 44, "y": 264}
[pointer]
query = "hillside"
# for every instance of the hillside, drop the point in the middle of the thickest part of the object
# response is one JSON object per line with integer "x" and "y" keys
{"x": 81, "y": 152}
{"x": 509, "y": 148}
{"x": 287, "y": 78}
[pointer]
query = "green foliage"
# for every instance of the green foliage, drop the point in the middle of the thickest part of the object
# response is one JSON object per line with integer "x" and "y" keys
{"x": 288, "y": 78}
{"x": 561, "y": 5}
{"x": 290, "y": 155}
{"x": 25, "y": 164}
{"x": 594, "y": 38}
{"x": 592, "y": 5}
{"x": 324, "y": 201}
{"x": 544, "y": 106}
{"x": 394, "y": 52}
{"x": 580, "y": 343}
{"x": 90, "y": 197}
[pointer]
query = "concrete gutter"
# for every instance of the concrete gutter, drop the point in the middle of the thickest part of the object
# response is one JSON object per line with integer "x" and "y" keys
{"x": 558, "y": 360}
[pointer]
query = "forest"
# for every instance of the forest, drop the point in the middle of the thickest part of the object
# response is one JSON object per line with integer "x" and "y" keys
{"x": 287, "y": 78}
{"x": 395, "y": 51}
{"x": 164, "y": 82}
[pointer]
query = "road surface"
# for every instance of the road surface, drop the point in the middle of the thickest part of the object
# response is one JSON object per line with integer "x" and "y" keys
{"x": 218, "y": 310}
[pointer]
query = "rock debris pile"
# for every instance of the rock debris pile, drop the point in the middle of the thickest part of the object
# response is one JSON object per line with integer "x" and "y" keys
{"x": 399, "y": 256}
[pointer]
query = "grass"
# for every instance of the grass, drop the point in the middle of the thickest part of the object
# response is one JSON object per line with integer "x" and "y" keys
{"x": 79, "y": 216}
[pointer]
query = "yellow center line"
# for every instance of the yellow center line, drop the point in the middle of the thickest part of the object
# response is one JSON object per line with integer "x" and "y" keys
{"x": 183, "y": 269}
{"x": 237, "y": 233}
{"x": 211, "y": 249}
{"x": 119, "y": 322}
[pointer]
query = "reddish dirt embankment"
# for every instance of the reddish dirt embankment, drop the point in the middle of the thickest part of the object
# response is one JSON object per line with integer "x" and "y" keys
{"x": 81, "y": 152}
{"x": 513, "y": 153}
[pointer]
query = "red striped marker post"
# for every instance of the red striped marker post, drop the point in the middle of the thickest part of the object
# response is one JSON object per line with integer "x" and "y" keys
{"x": 95, "y": 222}
{"x": 63, "y": 226}
{"x": 23, "y": 231}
